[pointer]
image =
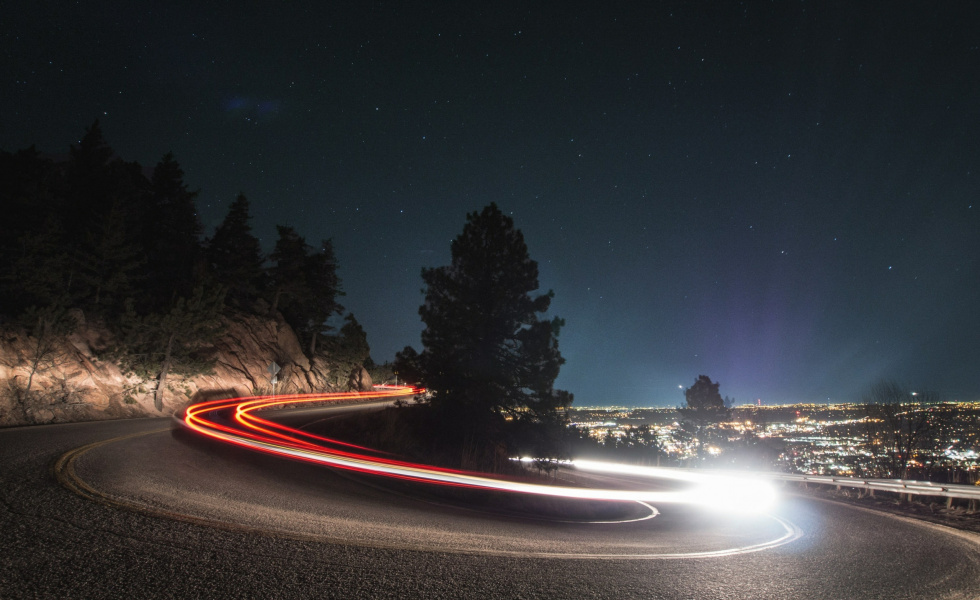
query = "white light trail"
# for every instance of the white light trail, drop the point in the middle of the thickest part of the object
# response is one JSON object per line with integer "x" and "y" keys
{"x": 720, "y": 492}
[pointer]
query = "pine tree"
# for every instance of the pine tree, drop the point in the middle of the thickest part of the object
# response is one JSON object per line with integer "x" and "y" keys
{"x": 407, "y": 367}
{"x": 172, "y": 233}
{"x": 110, "y": 261}
{"x": 323, "y": 289}
{"x": 235, "y": 256}
{"x": 288, "y": 274}
{"x": 87, "y": 183}
{"x": 105, "y": 199}
{"x": 34, "y": 262}
{"x": 487, "y": 357}
{"x": 348, "y": 351}
{"x": 305, "y": 284}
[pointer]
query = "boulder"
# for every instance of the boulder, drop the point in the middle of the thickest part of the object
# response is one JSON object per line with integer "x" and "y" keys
{"x": 360, "y": 380}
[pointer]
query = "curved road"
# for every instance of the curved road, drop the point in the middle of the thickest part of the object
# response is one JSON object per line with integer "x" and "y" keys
{"x": 155, "y": 512}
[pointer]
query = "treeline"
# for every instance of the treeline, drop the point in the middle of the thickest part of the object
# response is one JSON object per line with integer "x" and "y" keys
{"x": 124, "y": 244}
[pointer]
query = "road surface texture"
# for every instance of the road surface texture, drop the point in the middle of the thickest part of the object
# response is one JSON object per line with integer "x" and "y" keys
{"x": 137, "y": 509}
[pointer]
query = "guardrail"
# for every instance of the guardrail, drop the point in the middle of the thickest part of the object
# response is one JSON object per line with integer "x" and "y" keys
{"x": 898, "y": 486}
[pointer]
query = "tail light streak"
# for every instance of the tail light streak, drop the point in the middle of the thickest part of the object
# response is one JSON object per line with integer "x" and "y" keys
{"x": 232, "y": 421}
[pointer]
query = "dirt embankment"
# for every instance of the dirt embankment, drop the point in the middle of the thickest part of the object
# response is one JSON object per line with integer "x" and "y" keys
{"x": 75, "y": 379}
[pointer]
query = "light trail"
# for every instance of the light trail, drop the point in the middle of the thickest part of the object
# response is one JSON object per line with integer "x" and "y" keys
{"x": 232, "y": 421}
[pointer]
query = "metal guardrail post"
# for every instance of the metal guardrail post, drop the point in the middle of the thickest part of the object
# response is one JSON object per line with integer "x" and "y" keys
{"x": 898, "y": 486}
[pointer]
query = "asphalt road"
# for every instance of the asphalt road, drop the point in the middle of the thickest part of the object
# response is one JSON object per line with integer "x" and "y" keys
{"x": 159, "y": 514}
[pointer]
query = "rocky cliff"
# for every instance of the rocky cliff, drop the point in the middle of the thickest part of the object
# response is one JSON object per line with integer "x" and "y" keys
{"x": 74, "y": 379}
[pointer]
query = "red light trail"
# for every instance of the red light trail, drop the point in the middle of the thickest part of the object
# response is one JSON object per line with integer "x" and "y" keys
{"x": 233, "y": 421}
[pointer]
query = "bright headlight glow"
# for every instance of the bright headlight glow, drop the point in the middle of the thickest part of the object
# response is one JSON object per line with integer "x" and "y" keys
{"x": 232, "y": 421}
{"x": 735, "y": 495}
{"x": 723, "y": 492}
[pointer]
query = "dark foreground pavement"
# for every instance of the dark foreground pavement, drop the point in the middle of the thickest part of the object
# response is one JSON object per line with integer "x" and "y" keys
{"x": 56, "y": 544}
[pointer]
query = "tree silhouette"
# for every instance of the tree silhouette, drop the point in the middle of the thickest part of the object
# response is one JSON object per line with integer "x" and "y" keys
{"x": 705, "y": 407}
{"x": 407, "y": 366}
{"x": 109, "y": 264}
{"x": 488, "y": 359}
{"x": 86, "y": 189}
{"x": 33, "y": 258}
{"x": 103, "y": 203}
{"x": 288, "y": 276}
{"x": 171, "y": 236}
{"x": 235, "y": 256}
{"x": 88, "y": 178}
{"x": 94, "y": 233}
{"x": 323, "y": 287}
{"x": 347, "y": 351}
{"x": 305, "y": 284}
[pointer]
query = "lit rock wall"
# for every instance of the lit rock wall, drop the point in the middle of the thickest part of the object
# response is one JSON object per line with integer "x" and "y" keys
{"x": 72, "y": 383}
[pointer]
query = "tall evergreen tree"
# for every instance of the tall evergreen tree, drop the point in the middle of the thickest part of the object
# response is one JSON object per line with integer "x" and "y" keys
{"x": 288, "y": 273}
{"x": 172, "y": 234}
{"x": 407, "y": 367}
{"x": 87, "y": 183}
{"x": 26, "y": 193}
{"x": 305, "y": 284}
{"x": 235, "y": 256}
{"x": 34, "y": 269}
{"x": 323, "y": 289}
{"x": 110, "y": 260}
{"x": 348, "y": 351}
{"x": 78, "y": 227}
{"x": 104, "y": 200}
{"x": 354, "y": 340}
{"x": 488, "y": 358}
{"x": 33, "y": 257}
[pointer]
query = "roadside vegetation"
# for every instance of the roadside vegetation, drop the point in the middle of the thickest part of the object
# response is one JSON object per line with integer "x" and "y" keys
{"x": 95, "y": 239}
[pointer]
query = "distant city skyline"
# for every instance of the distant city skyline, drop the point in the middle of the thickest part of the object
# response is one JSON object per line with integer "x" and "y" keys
{"x": 739, "y": 406}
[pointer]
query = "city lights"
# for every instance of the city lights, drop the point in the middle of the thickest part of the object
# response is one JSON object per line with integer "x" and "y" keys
{"x": 234, "y": 421}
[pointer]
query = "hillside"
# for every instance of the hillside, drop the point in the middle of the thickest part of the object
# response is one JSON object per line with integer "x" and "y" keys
{"x": 78, "y": 377}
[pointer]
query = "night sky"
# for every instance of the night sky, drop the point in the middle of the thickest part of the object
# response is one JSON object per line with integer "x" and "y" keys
{"x": 782, "y": 196}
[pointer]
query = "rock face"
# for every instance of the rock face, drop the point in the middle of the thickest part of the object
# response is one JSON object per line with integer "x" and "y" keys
{"x": 360, "y": 380}
{"x": 69, "y": 381}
